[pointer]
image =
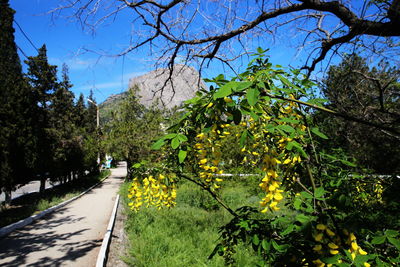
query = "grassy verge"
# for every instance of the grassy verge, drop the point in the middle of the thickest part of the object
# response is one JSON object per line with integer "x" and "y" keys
{"x": 186, "y": 235}
{"x": 31, "y": 204}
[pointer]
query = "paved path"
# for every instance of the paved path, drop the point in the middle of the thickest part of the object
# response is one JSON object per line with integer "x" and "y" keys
{"x": 71, "y": 236}
{"x": 26, "y": 189}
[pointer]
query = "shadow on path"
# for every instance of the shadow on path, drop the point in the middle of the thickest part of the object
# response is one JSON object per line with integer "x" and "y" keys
{"x": 16, "y": 247}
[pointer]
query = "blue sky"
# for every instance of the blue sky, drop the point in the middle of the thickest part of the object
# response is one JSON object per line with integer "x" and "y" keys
{"x": 65, "y": 42}
{"x": 68, "y": 43}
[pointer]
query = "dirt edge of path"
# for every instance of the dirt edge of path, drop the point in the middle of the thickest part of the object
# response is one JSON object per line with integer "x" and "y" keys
{"x": 119, "y": 240}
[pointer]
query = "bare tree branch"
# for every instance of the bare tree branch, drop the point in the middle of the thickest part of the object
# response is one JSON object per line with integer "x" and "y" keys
{"x": 200, "y": 28}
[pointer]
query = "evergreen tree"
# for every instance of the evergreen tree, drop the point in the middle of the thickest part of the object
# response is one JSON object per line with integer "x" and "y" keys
{"x": 17, "y": 154}
{"x": 370, "y": 94}
{"x": 80, "y": 112}
{"x": 79, "y": 120}
{"x": 91, "y": 114}
{"x": 92, "y": 137}
{"x": 62, "y": 127}
{"x": 42, "y": 78}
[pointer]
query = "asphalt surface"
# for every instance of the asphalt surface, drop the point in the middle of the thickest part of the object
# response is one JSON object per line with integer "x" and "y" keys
{"x": 33, "y": 186}
{"x": 71, "y": 236}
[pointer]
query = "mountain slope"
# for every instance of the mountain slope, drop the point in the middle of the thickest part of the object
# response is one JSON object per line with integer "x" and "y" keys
{"x": 155, "y": 86}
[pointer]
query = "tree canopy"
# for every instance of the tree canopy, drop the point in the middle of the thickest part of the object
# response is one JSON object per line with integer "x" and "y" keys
{"x": 369, "y": 93}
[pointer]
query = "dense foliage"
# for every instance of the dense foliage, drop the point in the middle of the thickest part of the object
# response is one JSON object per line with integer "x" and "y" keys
{"x": 44, "y": 133}
{"x": 16, "y": 109}
{"x": 316, "y": 207}
{"x": 132, "y": 129}
{"x": 373, "y": 95}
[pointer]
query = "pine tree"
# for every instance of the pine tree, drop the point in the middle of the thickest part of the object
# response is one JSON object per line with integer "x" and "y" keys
{"x": 16, "y": 137}
{"x": 42, "y": 78}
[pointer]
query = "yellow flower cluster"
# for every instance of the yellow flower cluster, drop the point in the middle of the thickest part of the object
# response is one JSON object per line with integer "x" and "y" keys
{"x": 271, "y": 185}
{"x": 329, "y": 243}
{"x": 268, "y": 152}
{"x": 369, "y": 193}
{"x": 152, "y": 191}
{"x": 208, "y": 154}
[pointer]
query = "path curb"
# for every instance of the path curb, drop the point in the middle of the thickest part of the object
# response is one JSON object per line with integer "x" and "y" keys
{"x": 24, "y": 222}
{"x": 102, "y": 257}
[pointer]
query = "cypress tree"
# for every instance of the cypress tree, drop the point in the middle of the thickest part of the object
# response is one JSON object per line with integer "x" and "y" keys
{"x": 92, "y": 138}
{"x": 62, "y": 127}
{"x": 17, "y": 154}
{"x": 42, "y": 78}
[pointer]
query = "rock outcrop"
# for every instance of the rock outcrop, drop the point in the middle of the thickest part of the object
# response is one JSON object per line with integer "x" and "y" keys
{"x": 153, "y": 86}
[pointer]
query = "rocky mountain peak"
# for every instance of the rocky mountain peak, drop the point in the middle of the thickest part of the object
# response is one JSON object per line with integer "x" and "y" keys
{"x": 156, "y": 85}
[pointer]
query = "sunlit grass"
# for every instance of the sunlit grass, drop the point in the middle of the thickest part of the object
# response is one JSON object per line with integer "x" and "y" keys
{"x": 187, "y": 234}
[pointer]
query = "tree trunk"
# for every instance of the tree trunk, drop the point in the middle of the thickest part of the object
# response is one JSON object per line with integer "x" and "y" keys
{"x": 42, "y": 185}
{"x": 7, "y": 197}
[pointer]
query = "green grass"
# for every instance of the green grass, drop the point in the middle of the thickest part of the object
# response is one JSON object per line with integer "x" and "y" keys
{"x": 31, "y": 204}
{"x": 187, "y": 234}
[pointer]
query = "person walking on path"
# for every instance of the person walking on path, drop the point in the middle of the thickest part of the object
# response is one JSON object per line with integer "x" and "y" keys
{"x": 70, "y": 236}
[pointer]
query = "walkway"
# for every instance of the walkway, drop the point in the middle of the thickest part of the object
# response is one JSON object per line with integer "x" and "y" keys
{"x": 71, "y": 236}
{"x": 27, "y": 189}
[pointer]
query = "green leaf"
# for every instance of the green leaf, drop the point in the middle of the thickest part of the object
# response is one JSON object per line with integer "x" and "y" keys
{"x": 395, "y": 242}
{"x": 331, "y": 260}
{"x": 256, "y": 240}
{"x": 182, "y": 155}
{"x": 298, "y": 147}
{"x": 280, "y": 248}
{"x": 303, "y": 218}
{"x": 316, "y": 131}
{"x": 242, "y": 85}
{"x": 157, "y": 145}
{"x": 377, "y": 240}
{"x": 317, "y": 101}
{"x": 290, "y": 145}
{"x": 169, "y": 136}
{"x": 319, "y": 192}
{"x": 192, "y": 100}
{"x": 136, "y": 165}
{"x": 306, "y": 194}
{"x": 225, "y": 90}
{"x": 360, "y": 259}
{"x": 287, "y": 128}
{"x": 182, "y": 138}
{"x": 348, "y": 163}
{"x": 254, "y": 116}
{"x": 391, "y": 233}
{"x": 175, "y": 143}
{"x": 286, "y": 82}
{"x": 220, "y": 77}
{"x": 288, "y": 230}
{"x": 243, "y": 138}
{"x": 244, "y": 224}
{"x": 297, "y": 203}
{"x": 266, "y": 245}
{"x": 252, "y": 96}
